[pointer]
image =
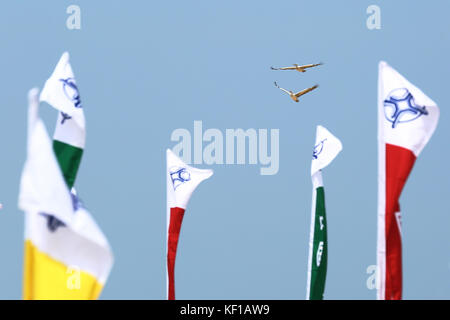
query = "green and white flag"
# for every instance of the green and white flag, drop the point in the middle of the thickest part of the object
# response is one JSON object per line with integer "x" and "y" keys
{"x": 61, "y": 92}
{"x": 327, "y": 147}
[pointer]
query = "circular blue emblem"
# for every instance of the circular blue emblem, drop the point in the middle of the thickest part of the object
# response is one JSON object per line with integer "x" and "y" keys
{"x": 179, "y": 175}
{"x": 400, "y": 107}
{"x": 71, "y": 91}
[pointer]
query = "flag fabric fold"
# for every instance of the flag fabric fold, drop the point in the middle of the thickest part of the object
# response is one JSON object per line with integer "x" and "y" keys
{"x": 66, "y": 254}
{"x": 407, "y": 119}
{"x": 182, "y": 180}
{"x": 326, "y": 148}
{"x": 42, "y": 186}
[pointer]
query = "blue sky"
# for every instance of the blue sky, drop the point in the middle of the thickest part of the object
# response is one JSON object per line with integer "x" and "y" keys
{"x": 145, "y": 69}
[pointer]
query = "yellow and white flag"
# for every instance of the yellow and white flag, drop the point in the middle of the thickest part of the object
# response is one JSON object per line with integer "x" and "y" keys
{"x": 66, "y": 254}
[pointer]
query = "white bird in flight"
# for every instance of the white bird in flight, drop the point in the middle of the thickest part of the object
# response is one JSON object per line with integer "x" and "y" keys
{"x": 298, "y": 68}
{"x": 295, "y": 96}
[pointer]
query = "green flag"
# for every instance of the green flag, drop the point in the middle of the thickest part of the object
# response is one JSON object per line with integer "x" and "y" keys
{"x": 326, "y": 149}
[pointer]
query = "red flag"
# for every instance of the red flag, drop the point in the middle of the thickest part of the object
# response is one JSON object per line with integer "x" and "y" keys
{"x": 181, "y": 183}
{"x": 407, "y": 119}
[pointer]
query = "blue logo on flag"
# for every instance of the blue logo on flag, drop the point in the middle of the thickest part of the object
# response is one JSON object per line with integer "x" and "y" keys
{"x": 54, "y": 223}
{"x": 71, "y": 91}
{"x": 179, "y": 176}
{"x": 400, "y": 107}
{"x": 65, "y": 117}
{"x": 318, "y": 149}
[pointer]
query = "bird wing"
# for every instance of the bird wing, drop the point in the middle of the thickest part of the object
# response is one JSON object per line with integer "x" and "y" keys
{"x": 283, "y": 68}
{"x": 276, "y": 85}
{"x": 287, "y": 68}
{"x": 311, "y": 65}
{"x": 299, "y": 94}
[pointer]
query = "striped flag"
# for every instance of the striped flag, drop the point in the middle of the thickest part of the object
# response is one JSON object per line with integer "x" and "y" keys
{"x": 407, "y": 119}
{"x": 327, "y": 147}
{"x": 182, "y": 180}
{"x": 66, "y": 254}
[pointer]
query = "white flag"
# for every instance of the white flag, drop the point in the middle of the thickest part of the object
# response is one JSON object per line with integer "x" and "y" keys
{"x": 66, "y": 254}
{"x": 61, "y": 92}
{"x": 42, "y": 187}
{"x": 327, "y": 147}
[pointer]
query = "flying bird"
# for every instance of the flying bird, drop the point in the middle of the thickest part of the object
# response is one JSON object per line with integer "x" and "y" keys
{"x": 295, "y": 96}
{"x": 298, "y": 68}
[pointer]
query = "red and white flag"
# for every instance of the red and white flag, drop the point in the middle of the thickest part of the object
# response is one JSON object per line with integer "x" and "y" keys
{"x": 407, "y": 119}
{"x": 182, "y": 180}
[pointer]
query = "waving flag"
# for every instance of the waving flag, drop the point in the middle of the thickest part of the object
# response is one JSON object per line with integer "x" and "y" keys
{"x": 182, "y": 180}
{"x": 66, "y": 254}
{"x": 407, "y": 119}
{"x": 327, "y": 147}
{"x": 61, "y": 92}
